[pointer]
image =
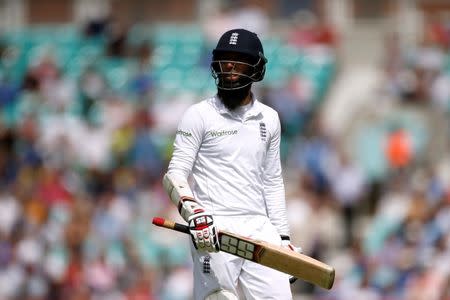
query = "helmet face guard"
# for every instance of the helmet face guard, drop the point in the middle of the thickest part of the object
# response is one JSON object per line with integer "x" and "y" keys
{"x": 238, "y": 60}
{"x": 232, "y": 74}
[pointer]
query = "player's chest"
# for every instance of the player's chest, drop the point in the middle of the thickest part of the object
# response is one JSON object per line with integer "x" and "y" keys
{"x": 231, "y": 137}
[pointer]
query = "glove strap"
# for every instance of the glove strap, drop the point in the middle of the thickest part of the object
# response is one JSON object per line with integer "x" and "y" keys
{"x": 285, "y": 237}
{"x": 188, "y": 206}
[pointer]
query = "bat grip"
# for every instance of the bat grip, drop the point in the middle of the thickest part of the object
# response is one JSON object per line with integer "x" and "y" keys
{"x": 161, "y": 222}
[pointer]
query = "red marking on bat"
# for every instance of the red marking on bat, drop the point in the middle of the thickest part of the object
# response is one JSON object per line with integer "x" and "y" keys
{"x": 158, "y": 221}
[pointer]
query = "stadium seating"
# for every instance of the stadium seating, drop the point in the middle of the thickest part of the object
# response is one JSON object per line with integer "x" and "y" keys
{"x": 180, "y": 57}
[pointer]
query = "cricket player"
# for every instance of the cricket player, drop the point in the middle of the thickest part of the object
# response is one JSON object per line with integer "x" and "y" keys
{"x": 229, "y": 144}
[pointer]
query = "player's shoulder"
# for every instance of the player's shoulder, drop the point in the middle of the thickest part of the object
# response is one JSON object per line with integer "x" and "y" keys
{"x": 267, "y": 108}
{"x": 200, "y": 107}
{"x": 267, "y": 111}
{"x": 205, "y": 104}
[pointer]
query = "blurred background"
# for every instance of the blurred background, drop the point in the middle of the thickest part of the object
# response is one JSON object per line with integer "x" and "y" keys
{"x": 90, "y": 95}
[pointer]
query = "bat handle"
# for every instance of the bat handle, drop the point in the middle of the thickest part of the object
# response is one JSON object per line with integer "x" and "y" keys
{"x": 161, "y": 222}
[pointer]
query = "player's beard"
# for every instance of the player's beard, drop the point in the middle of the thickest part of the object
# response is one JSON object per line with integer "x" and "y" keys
{"x": 233, "y": 98}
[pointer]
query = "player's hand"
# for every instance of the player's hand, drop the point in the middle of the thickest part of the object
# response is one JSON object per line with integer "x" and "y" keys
{"x": 204, "y": 233}
{"x": 286, "y": 243}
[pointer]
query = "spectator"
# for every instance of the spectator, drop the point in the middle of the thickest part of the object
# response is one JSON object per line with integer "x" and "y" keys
{"x": 310, "y": 30}
{"x": 117, "y": 36}
{"x": 348, "y": 184}
{"x": 399, "y": 148}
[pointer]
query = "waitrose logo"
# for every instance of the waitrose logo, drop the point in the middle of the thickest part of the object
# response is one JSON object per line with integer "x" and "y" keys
{"x": 183, "y": 133}
{"x": 218, "y": 133}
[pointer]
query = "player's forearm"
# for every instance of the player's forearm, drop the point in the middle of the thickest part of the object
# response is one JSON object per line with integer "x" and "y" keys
{"x": 282, "y": 226}
{"x": 176, "y": 179}
{"x": 180, "y": 194}
{"x": 276, "y": 208}
{"x": 274, "y": 192}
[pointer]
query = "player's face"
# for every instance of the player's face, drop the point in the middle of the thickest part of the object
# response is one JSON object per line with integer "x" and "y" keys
{"x": 232, "y": 65}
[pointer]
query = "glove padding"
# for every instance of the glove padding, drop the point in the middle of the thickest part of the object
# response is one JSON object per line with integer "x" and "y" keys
{"x": 286, "y": 243}
{"x": 204, "y": 233}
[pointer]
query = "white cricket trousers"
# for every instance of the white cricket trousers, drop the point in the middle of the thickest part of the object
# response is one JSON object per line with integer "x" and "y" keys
{"x": 246, "y": 279}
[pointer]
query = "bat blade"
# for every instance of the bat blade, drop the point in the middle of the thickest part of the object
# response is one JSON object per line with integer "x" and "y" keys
{"x": 273, "y": 256}
{"x": 279, "y": 258}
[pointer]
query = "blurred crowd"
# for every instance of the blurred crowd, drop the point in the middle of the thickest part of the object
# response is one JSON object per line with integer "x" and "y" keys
{"x": 81, "y": 168}
{"x": 386, "y": 232}
{"x": 420, "y": 74}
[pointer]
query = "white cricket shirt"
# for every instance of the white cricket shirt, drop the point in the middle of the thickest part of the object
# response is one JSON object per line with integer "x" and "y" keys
{"x": 234, "y": 160}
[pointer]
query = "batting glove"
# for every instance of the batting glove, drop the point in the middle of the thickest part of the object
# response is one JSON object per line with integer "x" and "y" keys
{"x": 286, "y": 243}
{"x": 204, "y": 233}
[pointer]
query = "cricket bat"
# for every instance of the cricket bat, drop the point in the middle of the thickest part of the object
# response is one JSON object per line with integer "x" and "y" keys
{"x": 276, "y": 257}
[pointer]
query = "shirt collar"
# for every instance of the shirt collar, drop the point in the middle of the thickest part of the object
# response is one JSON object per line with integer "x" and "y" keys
{"x": 254, "y": 111}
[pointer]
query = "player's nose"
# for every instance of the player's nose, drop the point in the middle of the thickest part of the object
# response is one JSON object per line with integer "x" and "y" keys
{"x": 229, "y": 66}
